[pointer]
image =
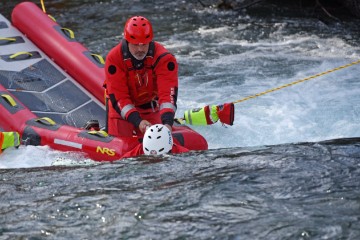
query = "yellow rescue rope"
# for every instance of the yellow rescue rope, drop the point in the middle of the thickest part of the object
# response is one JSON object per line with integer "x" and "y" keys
{"x": 296, "y": 82}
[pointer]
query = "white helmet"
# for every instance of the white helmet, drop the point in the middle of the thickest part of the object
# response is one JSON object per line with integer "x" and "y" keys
{"x": 157, "y": 140}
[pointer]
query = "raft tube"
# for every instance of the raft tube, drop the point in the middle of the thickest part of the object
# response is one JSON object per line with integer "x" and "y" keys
{"x": 60, "y": 45}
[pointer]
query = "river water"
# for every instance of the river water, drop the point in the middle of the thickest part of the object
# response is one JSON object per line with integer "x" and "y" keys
{"x": 269, "y": 176}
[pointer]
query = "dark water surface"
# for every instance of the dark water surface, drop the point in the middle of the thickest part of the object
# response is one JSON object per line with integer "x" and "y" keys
{"x": 294, "y": 191}
{"x": 262, "y": 191}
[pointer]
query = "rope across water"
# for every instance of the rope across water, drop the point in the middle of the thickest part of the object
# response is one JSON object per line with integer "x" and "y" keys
{"x": 296, "y": 82}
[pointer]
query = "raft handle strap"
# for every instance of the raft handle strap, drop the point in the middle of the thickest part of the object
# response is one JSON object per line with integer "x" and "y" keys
{"x": 98, "y": 58}
{"x": 9, "y": 100}
{"x": 18, "y": 54}
{"x": 8, "y": 39}
{"x": 46, "y": 121}
{"x": 100, "y": 133}
{"x": 68, "y": 32}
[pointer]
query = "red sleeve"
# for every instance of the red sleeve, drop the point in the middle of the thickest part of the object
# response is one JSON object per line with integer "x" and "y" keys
{"x": 166, "y": 71}
{"x": 116, "y": 81}
{"x": 179, "y": 149}
{"x": 136, "y": 151}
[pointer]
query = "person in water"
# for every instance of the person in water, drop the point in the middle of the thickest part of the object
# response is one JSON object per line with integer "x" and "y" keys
{"x": 9, "y": 139}
{"x": 157, "y": 140}
{"x": 141, "y": 82}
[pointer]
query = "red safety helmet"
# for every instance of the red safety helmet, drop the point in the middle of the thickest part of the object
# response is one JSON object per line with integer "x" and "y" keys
{"x": 138, "y": 30}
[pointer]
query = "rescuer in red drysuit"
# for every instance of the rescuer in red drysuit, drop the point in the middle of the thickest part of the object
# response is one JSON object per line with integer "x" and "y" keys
{"x": 141, "y": 81}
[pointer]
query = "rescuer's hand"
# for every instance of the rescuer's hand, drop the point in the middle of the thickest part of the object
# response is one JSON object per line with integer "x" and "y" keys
{"x": 144, "y": 125}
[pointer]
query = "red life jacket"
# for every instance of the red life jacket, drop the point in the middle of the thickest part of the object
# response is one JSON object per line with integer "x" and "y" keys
{"x": 142, "y": 80}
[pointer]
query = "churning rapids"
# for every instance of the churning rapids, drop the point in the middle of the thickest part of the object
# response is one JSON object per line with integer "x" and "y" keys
{"x": 289, "y": 168}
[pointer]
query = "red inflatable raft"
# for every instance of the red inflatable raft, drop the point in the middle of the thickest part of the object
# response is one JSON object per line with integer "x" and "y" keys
{"x": 51, "y": 85}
